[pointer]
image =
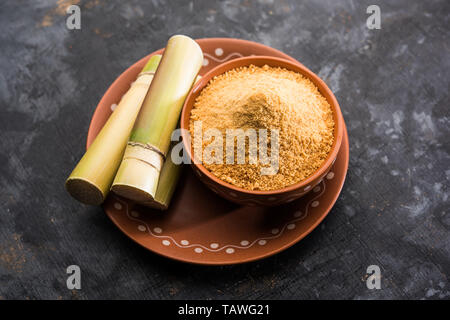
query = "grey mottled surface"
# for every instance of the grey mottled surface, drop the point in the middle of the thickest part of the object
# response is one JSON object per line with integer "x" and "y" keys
{"x": 392, "y": 85}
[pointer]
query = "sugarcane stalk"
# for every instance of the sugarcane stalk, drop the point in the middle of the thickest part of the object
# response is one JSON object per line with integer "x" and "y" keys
{"x": 140, "y": 169}
{"x": 168, "y": 179}
{"x": 91, "y": 179}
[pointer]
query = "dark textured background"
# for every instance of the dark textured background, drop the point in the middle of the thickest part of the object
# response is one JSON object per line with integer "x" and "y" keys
{"x": 392, "y": 85}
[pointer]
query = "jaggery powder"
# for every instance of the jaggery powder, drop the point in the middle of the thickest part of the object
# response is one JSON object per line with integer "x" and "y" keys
{"x": 268, "y": 98}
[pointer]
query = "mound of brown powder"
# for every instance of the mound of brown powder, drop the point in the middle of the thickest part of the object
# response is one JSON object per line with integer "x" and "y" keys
{"x": 267, "y": 98}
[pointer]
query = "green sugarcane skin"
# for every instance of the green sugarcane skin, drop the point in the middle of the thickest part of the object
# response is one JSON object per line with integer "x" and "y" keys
{"x": 168, "y": 180}
{"x": 152, "y": 63}
{"x": 158, "y": 117}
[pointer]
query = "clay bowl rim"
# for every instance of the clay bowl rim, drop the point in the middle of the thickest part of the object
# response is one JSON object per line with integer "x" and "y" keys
{"x": 273, "y": 62}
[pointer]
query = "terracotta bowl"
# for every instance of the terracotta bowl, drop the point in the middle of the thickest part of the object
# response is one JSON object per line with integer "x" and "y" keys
{"x": 273, "y": 197}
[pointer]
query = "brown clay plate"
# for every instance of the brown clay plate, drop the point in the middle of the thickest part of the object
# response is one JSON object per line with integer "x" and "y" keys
{"x": 200, "y": 227}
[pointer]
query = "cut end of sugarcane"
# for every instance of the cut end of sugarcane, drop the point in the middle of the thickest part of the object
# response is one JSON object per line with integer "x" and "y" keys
{"x": 138, "y": 174}
{"x": 136, "y": 180}
{"x": 84, "y": 191}
{"x": 132, "y": 192}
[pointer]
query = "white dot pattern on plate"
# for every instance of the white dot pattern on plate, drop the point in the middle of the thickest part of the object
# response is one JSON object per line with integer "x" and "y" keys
{"x": 307, "y": 188}
{"x": 118, "y": 206}
{"x": 113, "y": 107}
{"x": 184, "y": 242}
{"x": 315, "y": 203}
{"x": 166, "y": 242}
{"x": 262, "y": 242}
{"x": 316, "y": 189}
{"x": 218, "y": 52}
{"x": 205, "y": 62}
{"x": 157, "y": 230}
{"x": 297, "y": 214}
{"x": 274, "y": 231}
{"x": 135, "y": 214}
{"x": 198, "y": 250}
{"x": 291, "y": 226}
{"x": 141, "y": 227}
{"x": 330, "y": 175}
{"x": 229, "y": 250}
{"x": 244, "y": 243}
{"x": 214, "y": 245}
